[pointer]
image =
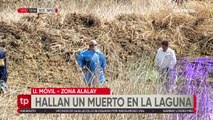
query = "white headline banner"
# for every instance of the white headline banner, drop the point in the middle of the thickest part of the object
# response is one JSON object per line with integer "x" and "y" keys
{"x": 112, "y": 101}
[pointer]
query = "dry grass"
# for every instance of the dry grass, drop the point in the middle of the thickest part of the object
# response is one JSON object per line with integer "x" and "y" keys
{"x": 42, "y": 48}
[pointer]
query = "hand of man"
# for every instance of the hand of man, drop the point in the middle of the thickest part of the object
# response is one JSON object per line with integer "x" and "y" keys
{"x": 84, "y": 68}
{"x": 157, "y": 68}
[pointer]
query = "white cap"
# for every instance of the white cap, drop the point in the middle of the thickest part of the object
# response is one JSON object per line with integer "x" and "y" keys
{"x": 92, "y": 42}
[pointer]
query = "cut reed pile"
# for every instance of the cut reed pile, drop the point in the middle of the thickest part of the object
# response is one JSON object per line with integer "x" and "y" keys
{"x": 49, "y": 43}
{"x": 42, "y": 48}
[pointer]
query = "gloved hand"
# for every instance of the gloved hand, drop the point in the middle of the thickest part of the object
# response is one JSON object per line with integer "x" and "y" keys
{"x": 84, "y": 68}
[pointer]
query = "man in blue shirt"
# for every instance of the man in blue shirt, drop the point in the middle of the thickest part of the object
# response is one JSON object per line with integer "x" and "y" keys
{"x": 93, "y": 63}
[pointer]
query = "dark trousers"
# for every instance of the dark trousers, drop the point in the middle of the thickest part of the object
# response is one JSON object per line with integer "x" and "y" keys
{"x": 164, "y": 74}
{"x": 3, "y": 74}
{"x": 167, "y": 78}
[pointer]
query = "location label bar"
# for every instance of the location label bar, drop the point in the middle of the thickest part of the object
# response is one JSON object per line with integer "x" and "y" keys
{"x": 37, "y": 10}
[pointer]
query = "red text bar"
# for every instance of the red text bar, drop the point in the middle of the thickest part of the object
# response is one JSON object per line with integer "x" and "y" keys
{"x": 70, "y": 91}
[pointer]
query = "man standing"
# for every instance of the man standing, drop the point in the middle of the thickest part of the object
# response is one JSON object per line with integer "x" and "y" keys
{"x": 93, "y": 63}
{"x": 165, "y": 61}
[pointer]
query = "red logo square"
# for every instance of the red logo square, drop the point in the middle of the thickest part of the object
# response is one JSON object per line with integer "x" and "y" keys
{"x": 24, "y": 101}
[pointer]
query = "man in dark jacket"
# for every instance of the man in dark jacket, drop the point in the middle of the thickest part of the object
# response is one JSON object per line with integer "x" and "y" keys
{"x": 3, "y": 69}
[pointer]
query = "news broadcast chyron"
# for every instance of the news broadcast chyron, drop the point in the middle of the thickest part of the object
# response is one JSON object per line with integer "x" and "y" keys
{"x": 106, "y": 103}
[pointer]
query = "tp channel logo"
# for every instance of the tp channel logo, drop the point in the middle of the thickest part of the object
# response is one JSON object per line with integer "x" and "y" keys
{"x": 24, "y": 101}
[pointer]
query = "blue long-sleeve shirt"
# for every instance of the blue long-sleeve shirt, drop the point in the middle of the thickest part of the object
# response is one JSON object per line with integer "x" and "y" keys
{"x": 95, "y": 61}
